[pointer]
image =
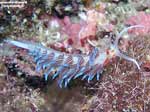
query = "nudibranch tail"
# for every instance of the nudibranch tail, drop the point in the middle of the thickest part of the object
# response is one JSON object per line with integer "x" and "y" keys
{"x": 25, "y": 45}
{"x": 118, "y": 53}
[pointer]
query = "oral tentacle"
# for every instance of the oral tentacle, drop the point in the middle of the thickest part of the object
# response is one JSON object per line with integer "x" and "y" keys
{"x": 118, "y": 52}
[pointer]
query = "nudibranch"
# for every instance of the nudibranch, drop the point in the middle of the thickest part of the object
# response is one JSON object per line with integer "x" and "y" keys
{"x": 67, "y": 66}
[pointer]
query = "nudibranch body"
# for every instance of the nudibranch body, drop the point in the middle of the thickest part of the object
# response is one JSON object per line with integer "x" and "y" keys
{"x": 68, "y": 66}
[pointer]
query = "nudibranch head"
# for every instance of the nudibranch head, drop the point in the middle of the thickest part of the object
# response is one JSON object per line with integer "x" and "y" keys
{"x": 115, "y": 49}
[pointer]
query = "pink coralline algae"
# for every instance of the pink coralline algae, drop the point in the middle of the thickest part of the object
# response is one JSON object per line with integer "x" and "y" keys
{"x": 143, "y": 19}
{"x": 78, "y": 33}
{"x": 71, "y": 30}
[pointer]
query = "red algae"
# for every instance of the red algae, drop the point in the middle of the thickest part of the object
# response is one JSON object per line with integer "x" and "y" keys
{"x": 141, "y": 18}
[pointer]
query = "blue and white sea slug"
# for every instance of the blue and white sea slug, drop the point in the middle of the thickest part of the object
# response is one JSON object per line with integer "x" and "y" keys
{"x": 67, "y": 66}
